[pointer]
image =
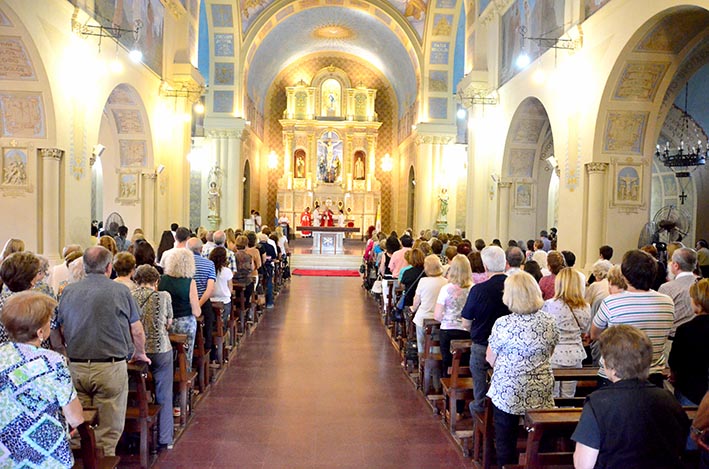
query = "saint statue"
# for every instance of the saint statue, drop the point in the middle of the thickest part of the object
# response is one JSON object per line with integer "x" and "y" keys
{"x": 443, "y": 199}
{"x": 214, "y": 193}
{"x": 359, "y": 168}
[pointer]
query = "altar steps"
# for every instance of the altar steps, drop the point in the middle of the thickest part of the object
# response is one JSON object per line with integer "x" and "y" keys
{"x": 325, "y": 261}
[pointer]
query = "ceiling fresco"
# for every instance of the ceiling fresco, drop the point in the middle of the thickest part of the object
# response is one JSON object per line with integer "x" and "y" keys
{"x": 335, "y": 30}
{"x": 413, "y": 10}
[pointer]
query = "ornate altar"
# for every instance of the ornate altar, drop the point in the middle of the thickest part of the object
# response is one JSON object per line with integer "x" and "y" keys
{"x": 330, "y": 139}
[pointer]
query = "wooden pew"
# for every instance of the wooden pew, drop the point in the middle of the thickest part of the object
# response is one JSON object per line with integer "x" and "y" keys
{"x": 218, "y": 332}
{"x": 459, "y": 386}
{"x": 240, "y": 307}
{"x": 91, "y": 456}
{"x": 483, "y": 437}
{"x": 200, "y": 358}
{"x": 555, "y": 422}
{"x": 586, "y": 373}
{"x": 183, "y": 380}
{"x": 430, "y": 361}
{"x": 141, "y": 415}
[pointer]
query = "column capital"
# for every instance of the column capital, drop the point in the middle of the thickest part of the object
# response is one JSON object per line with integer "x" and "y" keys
{"x": 504, "y": 185}
{"x": 53, "y": 153}
{"x": 150, "y": 175}
{"x": 597, "y": 167}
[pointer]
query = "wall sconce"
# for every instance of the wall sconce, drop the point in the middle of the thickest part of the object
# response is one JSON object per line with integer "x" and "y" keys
{"x": 160, "y": 169}
{"x": 272, "y": 160}
{"x": 387, "y": 163}
{"x": 543, "y": 43}
{"x": 85, "y": 30}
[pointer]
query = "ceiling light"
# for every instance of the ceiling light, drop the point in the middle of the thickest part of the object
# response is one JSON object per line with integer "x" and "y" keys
{"x": 199, "y": 108}
{"x": 461, "y": 113}
{"x": 522, "y": 60}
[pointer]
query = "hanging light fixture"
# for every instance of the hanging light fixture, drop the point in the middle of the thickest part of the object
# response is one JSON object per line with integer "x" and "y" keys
{"x": 686, "y": 159}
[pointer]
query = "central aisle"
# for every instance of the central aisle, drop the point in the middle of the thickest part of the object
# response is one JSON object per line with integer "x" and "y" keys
{"x": 318, "y": 384}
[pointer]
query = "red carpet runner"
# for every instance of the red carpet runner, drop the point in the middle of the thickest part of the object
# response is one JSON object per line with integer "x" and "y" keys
{"x": 325, "y": 273}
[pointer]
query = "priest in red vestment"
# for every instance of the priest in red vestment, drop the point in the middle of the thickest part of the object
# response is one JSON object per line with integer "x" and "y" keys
{"x": 306, "y": 220}
{"x": 327, "y": 218}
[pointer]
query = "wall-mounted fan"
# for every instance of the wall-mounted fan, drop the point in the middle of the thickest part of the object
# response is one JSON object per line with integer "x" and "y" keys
{"x": 669, "y": 224}
{"x": 113, "y": 221}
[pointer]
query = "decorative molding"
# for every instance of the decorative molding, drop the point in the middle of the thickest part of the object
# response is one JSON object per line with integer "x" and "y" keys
{"x": 596, "y": 167}
{"x": 434, "y": 139}
{"x": 53, "y": 153}
{"x": 224, "y": 133}
{"x": 504, "y": 185}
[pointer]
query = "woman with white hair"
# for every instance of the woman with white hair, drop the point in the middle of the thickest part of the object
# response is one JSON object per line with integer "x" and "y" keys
{"x": 598, "y": 289}
{"x": 426, "y": 294}
{"x": 178, "y": 281}
{"x": 540, "y": 257}
{"x": 449, "y": 306}
{"x": 519, "y": 350}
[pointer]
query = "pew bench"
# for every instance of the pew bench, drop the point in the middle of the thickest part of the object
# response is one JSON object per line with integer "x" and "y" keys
{"x": 183, "y": 379}
{"x": 218, "y": 334}
{"x": 141, "y": 415}
{"x": 459, "y": 385}
{"x": 430, "y": 360}
{"x": 90, "y": 456}
{"x": 200, "y": 358}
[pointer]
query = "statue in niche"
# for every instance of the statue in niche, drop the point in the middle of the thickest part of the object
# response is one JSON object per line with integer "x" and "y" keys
{"x": 359, "y": 166}
{"x": 443, "y": 200}
{"x": 299, "y": 164}
{"x": 214, "y": 193}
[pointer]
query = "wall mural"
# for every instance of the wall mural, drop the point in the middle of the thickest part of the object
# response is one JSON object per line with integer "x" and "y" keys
{"x": 593, "y": 6}
{"x": 439, "y": 53}
{"x": 438, "y": 80}
{"x": 540, "y": 18}
{"x": 221, "y": 16}
{"x": 14, "y": 167}
{"x": 15, "y": 63}
{"x": 133, "y": 153}
{"x": 151, "y": 14}
{"x": 224, "y": 45}
{"x": 438, "y": 108}
{"x": 223, "y": 73}
{"x": 4, "y": 20}
{"x": 22, "y": 115}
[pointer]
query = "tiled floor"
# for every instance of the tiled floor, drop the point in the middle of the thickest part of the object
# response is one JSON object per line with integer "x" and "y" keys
{"x": 317, "y": 385}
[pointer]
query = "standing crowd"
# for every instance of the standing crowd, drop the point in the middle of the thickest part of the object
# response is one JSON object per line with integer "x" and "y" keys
{"x": 67, "y": 333}
{"x": 528, "y": 310}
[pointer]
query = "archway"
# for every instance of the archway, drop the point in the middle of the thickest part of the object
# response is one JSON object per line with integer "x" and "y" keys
{"x": 636, "y": 113}
{"x": 411, "y": 192}
{"x": 527, "y": 170}
{"x": 125, "y": 133}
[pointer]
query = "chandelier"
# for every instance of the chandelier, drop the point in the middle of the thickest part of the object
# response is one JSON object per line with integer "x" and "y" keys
{"x": 687, "y": 158}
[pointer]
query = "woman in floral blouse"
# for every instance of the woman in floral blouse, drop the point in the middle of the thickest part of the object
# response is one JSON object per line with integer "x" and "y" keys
{"x": 519, "y": 350}
{"x": 35, "y": 388}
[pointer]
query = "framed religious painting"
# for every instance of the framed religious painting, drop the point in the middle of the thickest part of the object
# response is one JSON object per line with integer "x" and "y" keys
{"x": 523, "y": 195}
{"x": 628, "y": 183}
{"x": 15, "y": 170}
{"x": 128, "y": 186}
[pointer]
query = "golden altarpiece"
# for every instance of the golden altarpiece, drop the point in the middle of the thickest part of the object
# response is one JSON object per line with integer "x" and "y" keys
{"x": 330, "y": 140}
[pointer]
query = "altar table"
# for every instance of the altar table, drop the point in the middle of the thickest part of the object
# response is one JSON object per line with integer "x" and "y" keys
{"x": 327, "y": 239}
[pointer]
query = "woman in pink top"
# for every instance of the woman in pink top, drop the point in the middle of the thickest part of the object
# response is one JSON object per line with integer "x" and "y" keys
{"x": 476, "y": 263}
{"x": 555, "y": 262}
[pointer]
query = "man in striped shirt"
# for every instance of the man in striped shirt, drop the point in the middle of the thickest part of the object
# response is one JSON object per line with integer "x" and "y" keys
{"x": 641, "y": 307}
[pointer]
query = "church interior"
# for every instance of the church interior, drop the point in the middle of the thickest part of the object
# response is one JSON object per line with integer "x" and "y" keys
{"x": 487, "y": 119}
{"x": 517, "y": 116}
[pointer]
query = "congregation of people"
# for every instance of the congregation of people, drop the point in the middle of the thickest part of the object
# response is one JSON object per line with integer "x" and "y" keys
{"x": 68, "y": 332}
{"x": 527, "y": 311}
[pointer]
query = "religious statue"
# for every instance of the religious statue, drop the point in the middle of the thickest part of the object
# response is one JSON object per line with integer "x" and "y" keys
{"x": 443, "y": 200}
{"x": 299, "y": 165}
{"x": 359, "y": 167}
{"x": 214, "y": 193}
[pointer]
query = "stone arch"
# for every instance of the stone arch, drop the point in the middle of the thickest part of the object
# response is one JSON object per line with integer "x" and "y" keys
{"x": 645, "y": 80}
{"x": 125, "y": 132}
{"x": 527, "y": 169}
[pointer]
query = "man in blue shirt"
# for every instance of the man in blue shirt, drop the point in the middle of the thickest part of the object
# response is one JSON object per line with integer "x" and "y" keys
{"x": 204, "y": 276}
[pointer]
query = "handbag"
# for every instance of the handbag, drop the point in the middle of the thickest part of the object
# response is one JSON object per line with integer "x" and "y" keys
{"x": 377, "y": 286}
{"x": 362, "y": 269}
{"x": 398, "y": 312}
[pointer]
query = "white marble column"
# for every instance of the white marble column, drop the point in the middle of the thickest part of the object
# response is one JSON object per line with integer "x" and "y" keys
{"x": 148, "y": 221}
{"x": 503, "y": 189}
{"x": 227, "y": 134}
{"x": 51, "y": 197}
{"x": 594, "y": 210}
